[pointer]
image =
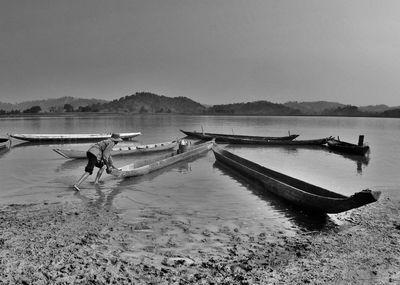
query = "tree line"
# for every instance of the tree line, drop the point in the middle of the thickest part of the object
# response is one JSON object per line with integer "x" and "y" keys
{"x": 66, "y": 108}
{"x": 144, "y": 102}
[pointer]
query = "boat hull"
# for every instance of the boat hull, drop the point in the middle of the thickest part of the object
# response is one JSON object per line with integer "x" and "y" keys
{"x": 44, "y": 138}
{"x": 301, "y": 193}
{"x": 346, "y": 147}
{"x": 225, "y": 138}
{"x": 316, "y": 142}
{"x": 121, "y": 150}
{"x": 146, "y": 166}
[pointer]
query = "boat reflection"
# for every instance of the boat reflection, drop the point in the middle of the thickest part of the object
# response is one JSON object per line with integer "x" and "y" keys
{"x": 18, "y": 143}
{"x": 29, "y": 144}
{"x": 180, "y": 167}
{"x": 285, "y": 149}
{"x": 306, "y": 221}
{"x": 5, "y": 145}
{"x": 4, "y": 150}
{"x": 71, "y": 164}
{"x": 360, "y": 160}
{"x": 101, "y": 199}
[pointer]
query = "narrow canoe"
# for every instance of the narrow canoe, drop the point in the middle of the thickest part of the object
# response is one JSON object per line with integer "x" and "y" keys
{"x": 313, "y": 142}
{"x": 346, "y": 147}
{"x": 70, "y": 137}
{"x": 229, "y": 138}
{"x": 121, "y": 150}
{"x": 308, "y": 196}
{"x": 4, "y": 143}
{"x": 143, "y": 167}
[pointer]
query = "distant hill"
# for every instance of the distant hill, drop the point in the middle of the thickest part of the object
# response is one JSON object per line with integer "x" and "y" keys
{"x": 347, "y": 111}
{"x": 51, "y": 105}
{"x": 144, "y": 102}
{"x": 313, "y": 108}
{"x": 376, "y": 108}
{"x": 395, "y": 113}
{"x": 337, "y": 109}
{"x": 253, "y": 108}
{"x": 6, "y": 106}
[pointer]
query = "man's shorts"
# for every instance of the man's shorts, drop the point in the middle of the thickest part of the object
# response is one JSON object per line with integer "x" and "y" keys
{"x": 92, "y": 162}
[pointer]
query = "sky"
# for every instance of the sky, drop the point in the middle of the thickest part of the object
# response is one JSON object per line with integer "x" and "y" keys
{"x": 212, "y": 51}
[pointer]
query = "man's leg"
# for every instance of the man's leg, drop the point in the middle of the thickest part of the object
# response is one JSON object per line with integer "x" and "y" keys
{"x": 99, "y": 173}
{"x": 83, "y": 178}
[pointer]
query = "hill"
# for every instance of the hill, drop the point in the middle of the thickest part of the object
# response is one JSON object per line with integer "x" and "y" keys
{"x": 6, "y": 106}
{"x": 313, "y": 108}
{"x": 253, "y": 108}
{"x": 144, "y": 102}
{"x": 51, "y": 105}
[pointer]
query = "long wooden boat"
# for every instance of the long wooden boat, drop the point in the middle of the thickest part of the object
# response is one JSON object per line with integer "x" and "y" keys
{"x": 4, "y": 143}
{"x": 229, "y": 138}
{"x": 146, "y": 166}
{"x": 306, "y": 195}
{"x": 121, "y": 149}
{"x": 70, "y": 137}
{"x": 346, "y": 147}
{"x": 313, "y": 142}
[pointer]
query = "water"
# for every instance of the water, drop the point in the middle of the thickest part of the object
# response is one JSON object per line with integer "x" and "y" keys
{"x": 201, "y": 189}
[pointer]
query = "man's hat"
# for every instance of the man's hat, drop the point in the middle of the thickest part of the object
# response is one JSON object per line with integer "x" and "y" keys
{"x": 116, "y": 137}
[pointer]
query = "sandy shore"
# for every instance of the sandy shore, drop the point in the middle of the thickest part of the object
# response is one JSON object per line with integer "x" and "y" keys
{"x": 82, "y": 243}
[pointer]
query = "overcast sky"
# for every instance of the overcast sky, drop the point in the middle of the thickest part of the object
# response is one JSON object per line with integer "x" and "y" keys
{"x": 212, "y": 51}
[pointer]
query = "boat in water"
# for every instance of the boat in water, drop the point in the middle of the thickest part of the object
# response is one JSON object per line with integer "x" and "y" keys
{"x": 310, "y": 197}
{"x": 227, "y": 138}
{"x": 63, "y": 138}
{"x": 142, "y": 167}
{"x": 121, "y": 149}
{"x": 243, "y": 141}
{"x": 346, "y": 147}
{"x": 5, "y": 143}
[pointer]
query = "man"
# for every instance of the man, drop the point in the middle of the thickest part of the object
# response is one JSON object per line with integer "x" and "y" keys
{"x": 99, "y": 155}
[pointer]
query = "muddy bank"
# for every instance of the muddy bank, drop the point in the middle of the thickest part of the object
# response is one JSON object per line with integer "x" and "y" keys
{"x": 83, "y": 243}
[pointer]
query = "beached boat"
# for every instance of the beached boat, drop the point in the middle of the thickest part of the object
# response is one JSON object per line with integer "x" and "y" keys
{"x": 42, "y": 138}
{"x": 346, "y": 147}
{"x": 230, "y": 138}
{"x": 121, "y": 149}
{"x": 143, "y": 167}
{"x": 301, "y": 193}
{"x": 4, "y": 143}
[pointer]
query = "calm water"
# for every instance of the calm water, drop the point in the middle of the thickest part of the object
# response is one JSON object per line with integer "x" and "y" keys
{"x": 201, "y": 189}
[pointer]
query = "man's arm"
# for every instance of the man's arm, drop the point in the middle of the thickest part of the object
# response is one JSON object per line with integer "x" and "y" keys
{"x": 106, "y": 157}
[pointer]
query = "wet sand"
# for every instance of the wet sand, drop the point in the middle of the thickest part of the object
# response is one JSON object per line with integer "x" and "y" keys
{"x": 85, "y": 243}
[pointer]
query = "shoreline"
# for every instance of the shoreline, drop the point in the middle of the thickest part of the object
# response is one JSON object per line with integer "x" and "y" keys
{"x": 81, "y": 242}
{"x": 104, "y": 113}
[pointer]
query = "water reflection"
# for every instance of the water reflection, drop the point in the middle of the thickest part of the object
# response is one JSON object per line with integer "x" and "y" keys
{"x": 360, "y": 160}
{"x": 71, "y": 164}
{"x": 305, "y": 220}
{"x": 285, "y": 149}
{"x": 106, "y": 200}
{"x": 3, "y": 151}
{"x": 180, "y": 167}
{"x": 19, "y": 144}
{"x": 22, "y": 144}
